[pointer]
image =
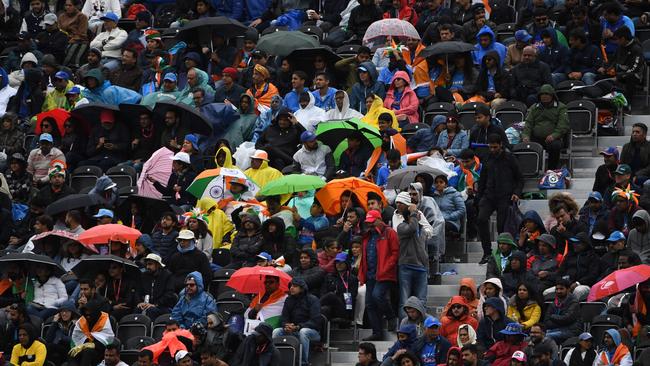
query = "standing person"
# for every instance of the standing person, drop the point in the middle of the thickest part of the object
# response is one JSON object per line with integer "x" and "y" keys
{"x": 584, "y": 353}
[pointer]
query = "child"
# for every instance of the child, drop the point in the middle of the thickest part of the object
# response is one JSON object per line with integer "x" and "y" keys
{"x": 307, "y": 227}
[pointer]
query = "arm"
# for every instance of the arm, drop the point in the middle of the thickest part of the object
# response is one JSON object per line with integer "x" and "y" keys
{"x": 97, "y": 41}
{"x": 412, "y": 104}
{"x": 534, "y": 318}
{"x": 562, "y": 125}
{"x": 459, "y": 208}
{"x": 569, "y": 317}
{"x": 117, "y": 42}
{"x": 314, "y": 314}
{"x": 331, "y": 166}
{"x": 344, "y": 65}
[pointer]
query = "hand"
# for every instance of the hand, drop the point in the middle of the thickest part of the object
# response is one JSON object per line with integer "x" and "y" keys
{"x": 514, "y": 198}
{"x": 82, "y": 301}
{"x": 227, "y": 102}
{"x": 13, "y": 240}
{"x": 56, "y": 317}
{"x": 135, "y": 142}
{"x": 413, "y": 208}
{"x": 542, "y": 274}
{"x": 109, "y": 146}
{"x": 255, "y": 23}
{"x": 347, "y": 226}
{"x": 173, "y": 143}
{"x": 339, "y": 222}
{"x": 480, "y": 23}
{"x": 101, "y": 141}
{"x": 398, "y": 353}
{"x": 120, "y": 306}
{"x": 177, "y": 188}
{"x": 573, "y": 286}
{"x": 549, "y": 139}
{"x": 215, "y": 58}
{"x": 601, "y": 70}
{"x": 205, "y": 50}
{"x": 561, "y": 228}
{"x": 293, "y": 119}
{"x": 296, "y": 217}
{"x": 607, "y": 33}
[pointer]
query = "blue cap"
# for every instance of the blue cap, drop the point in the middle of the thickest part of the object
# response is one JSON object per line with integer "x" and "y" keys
{"x": 110, "y": 16}
{"x": 616, "y": 236}
{"x": 522, "y": 36}
{"x": 46, "y": 137}
{"x": 265, "y": 256}
{"x": 103, "y": 212}
{"x": 170, "y": 76}
{"x": 307, "y": 136}
{"x": 595, "y": 196}
{"x": 62, "y": 75}
{"x": 194, "y": 56}
{"x": 585, "y": 336}
{"x": 431, "y": 321}
{"x": 194, "y": 140}
{"x": 513, "y": 329}
{"x": 341, "y": 257}
{"x": 74, "y": 90}
{"x": 611, "y": 151}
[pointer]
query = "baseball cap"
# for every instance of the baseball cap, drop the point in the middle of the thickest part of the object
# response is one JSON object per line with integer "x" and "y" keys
{"x": 260, "y": 154}
{"x": 49, "y": 19}
{"x": 62, "y": 75}
{"x": 74, "y": 90}
{"x": 580, "y": 237}
{"x": 170, "y": 76}
{"x": 307, "y": 136}
{"x": 180, "y": 355}
{"x": 104, "y": 212}
{"x": 372, "y": 216}
{"x": 616, "y": 236}
{"x": 341, "y": 257}
{"x": 585, "y": 336}
{"x": 612, "y": 150}
{"x": 623, "y": 169}
{"x": 265, "y": 256}
{"x": 154, "y": 257}
{"x": 522, "y": 36}
{"x": 519, "y": 356}
{"x": 182, "y": 156}
{"x": 110, "y": 16}
{"x": 46, "y": 137}
{"x": 186, "y": 234}
{"x": 431, "y": 321}
{"x": 258, "y": 54}
{"x": 595, "y": 196}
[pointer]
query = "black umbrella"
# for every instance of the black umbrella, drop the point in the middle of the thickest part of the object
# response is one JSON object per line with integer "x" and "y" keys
{"x": 100, "y": 263}
{"x": 89, "y": 114}
{"x": 224, "y": 26}
{"x": 189, "y": 115}
{"x": 150, "y": 210}
{"x": 445, "y": 48}
{"x": 72, "y": 202}
{"x": 305, "y": 56}
{"x": 32, "y": 259}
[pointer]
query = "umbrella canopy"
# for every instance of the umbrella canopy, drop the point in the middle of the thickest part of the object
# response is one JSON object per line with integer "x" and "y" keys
{"x": 330, "y": 195}
{"x": 618, "y": 281}
{"x": 149, "y": 208}
{"x": 202, "y": 29}
{"x": 158, "y": 168}
{"x": 102, "y": 234}
{"x": 89, "y": 114}
{"x": 62, "y": 234}
{"x": 250, "y": 280}
{"x": 131, "y": 114}
{"x": 189, "y": 116}
{"x": 292, "y": 183}
{"x": 334, "y": 134}
{"x": 58, "y": 115}
{"x": 392, "y": 27}
{"x": 445, "y": 48}
{"x": 31, "y": 259}
{"x": 72, "y": 202}
{"x": 100, "y": 263}
{"x": 215, "y": 183}
{"x": 401, "y": 178}
{"x": 282, "y": 43}
{"x": 305, "y": 56}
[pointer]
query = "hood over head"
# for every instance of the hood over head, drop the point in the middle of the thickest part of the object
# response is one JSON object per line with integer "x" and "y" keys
{"x": 551, "y": 32}
{"x": 496, "y": 303}
{"x": 470, "y": 332}
{"x": 196, "y": 275}
{"x": 454, "y": 350}
{"x": 401, "y": 75}
{"x": 547, "y": 89}
{"x": 410, "y": 330}
{"x": 457, "y": 300}
{"x": 28, "y": 57}
{"x": 496, "y": 282}
{"x": 533, "y": 216}
{"x": 372, "y": 70}
{"x": 493, "y": 54}
{"x": 469, "y": 283}
{"x": 616, "y": 336}
{"x": 251, "y": 105}
{"x": 485, "y": 30}
{"x": 415, "y": 303}
{"x": 643, "y": 215}
{"x": 103, "y": 183}
{"x": 31, "y": 332}
{"x": 252, "y": 218}
{"x": 521, "y": 256}
{"x": 279, "y": 231}
{"x": 265, "y": 329}
{"x": 300, "y": 283}
{"x": 228, "y": 161}
{"x": 206, "y": 203}
{"x": 312, "y": 102}
{"x": 97, "y": 75}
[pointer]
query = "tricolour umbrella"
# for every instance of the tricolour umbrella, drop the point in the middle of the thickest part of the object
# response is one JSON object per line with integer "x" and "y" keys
{"x": 149, "y": 208}
{"x": 282, "y": 43}
{"x": 197, "y": 29}
{"x": 330, "y": 195}
{"x": 71, "y": 202}
{"x": 189, "y": 116}
{"x": 59, "y": 116}
{"x": 100, "y": 263}
{"x": 62, "y": 234}
{"x": 392, "y": 27}
{"x": 158, "y": 168}
{"x": 103, "y": 234}
{"x": 215, "y": 183}
{"x": 446, "y": 48}
{"x": 618, "y": 281}
{"x": 401, "y": 178}
{"x": 31, "y": 259}
{"x": 292, "y": 183}
{"x": 335, "y": 133}
{"x": 250, "y": 280}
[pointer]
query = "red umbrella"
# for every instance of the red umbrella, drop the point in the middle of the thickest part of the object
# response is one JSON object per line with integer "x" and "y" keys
{"x": 63, "y": 234}
{"x": 58, "y": 115}
{"x": 103, "y": 234}
{"x": 618, "y": 281}
{"x": 250, "y": 280}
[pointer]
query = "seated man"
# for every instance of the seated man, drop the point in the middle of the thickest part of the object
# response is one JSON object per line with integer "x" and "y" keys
{"x": 280, "y": 139}
{"x": 547, "y": 123}
{"x": 638, "y": 239}
{"x": 110, "y": 41}
{"x": 40, "y": 160}
{"x": 300, "y": 317}
{"x": 56, "y": 188}
{"x": 431, "y": 347}
{"x": 194, "y": 304}
{"x": 528, "y": 76}
{"x": 355, "y": 158}
{"x": 628, "y": 64}
{"x": 157, "y": 288}
{"x": 615, "y": 351}
{"x": 562, "y": 318}
{"x": 314, "y": 157}
{"x": 93, "y": 327}
{"x": 269, "y": 305}
{"x": 500, "y": 256}
{"x": 108, "y": 142}
{"x": 584, "y": 58}
{"x": 594, "y": 213}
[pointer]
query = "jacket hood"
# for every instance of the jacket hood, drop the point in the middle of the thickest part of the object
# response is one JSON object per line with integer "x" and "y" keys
{"x": 265, "y": 329}
{"x": 28, "y": 57}
{"x": 312, "y": 102}
{"x": 251, "y": 105}
{"x": 5, "y": 78}
{"x": 312, "y": 254}
{"x": 533, "y": 216}
{"x": 410, "y": 330}
{"x": 279, "y": 231}
{"x": 227, "y": 163}
{"x": 496, "y": 282}
{"x": 415, "y": 303}
{"x": 197, "y": 278}
{"x": 97, "y": 75}
{"x": 551, "y": 32}
{"x": 457, "y": 300}
{"x": 401, "y": 75}
{"x": 616, "y": 336}
{"x": 643, "y": 215}
{"x": 518, "y": 254}
{"x": 300, "y": 283}
{"x": 103, "y": 183}
{"x": 252, "y": 218}
{"x": 418, "y": 188}
{"x": 372, "y": 71}
{"x": 278, "y": 98}
{"x": 485, "y": 30}
{"x": 32, "y": 333}
{"x": 147, "y": 242}
{"x": 470, "y": 332}
{"x": 471, "y": 284}
{"x": 491, "y": 53}
{"x": 547, "y": 89}
{"x": 206, "y": 203}
{"x": 496, "y": 303}
{"x": 346, "y": 102}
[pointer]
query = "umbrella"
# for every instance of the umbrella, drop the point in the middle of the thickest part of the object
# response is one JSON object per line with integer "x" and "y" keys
{"x": 305, "y": 56}
{"x": 445, "y": 48}
{"x": 62, "y": 234}
{"x": 250, "y": 280}
{"x": 102, "y": 234}
{"x": 206, "y": 27}
{"x": 390, "y": 28}
{"x": 89, "y": 113}
{"x": 334, "y": 134}
{"x": 72, "y": 202}
{"x": 188, "y": 115}
{"x": 291, "y": 184}
{"x": 150, "y": 209}
{"x": 283, "y": 43}
{"x": 31, "y": 258}
{"x": 215, "y": 183}
{"x": 158, "y": 168}
{"x": 58, "y": 115}
{"x": 100, "y": 263}
{"x": 618, "y": 281}
{"x": 131, "y": 113}
{"x": 330, "y": 195}
{"x": 401, "y": 178}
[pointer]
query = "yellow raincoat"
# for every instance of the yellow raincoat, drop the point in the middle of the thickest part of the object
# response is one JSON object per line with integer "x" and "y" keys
{"x": 218, "y": 222}
{"x": 264, "y": 175}
{"x": 228, "y": 162}
{"x": 375, "y": 110}
{"x": 56, "y": 99}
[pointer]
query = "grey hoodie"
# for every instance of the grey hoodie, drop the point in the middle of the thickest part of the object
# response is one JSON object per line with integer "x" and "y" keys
{"x": 640, "y": 242}
{"x": 434, "y": 216}
{"x": 415, "y": 303}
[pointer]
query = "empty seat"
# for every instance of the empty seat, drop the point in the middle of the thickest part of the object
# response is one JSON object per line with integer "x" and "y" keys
{"x": 348, "y": 50}
{"x": 505, "y": 30}
{"x": 582, "y": 116}
{"x": 510, "y": 112}
{"x": 136, "y": 343}
{"x": 530, "y": 157}
{"x": 127, "y": 191}
{"x": 411, "y": 128}
{"x": 219, "y": 279}
{"x": 290, "y": 350}
{"x": 133, "y": 325}
{"x": 122, "y": 175}
{"x": 231, "y": 302}
{"x": 221, "y": 257}
{"x": 590, "y": 310}
{"x": 85, "y": 176}
{"x": 313, "y": 31}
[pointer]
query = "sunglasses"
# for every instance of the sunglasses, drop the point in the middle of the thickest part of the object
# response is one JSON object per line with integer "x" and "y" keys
{"x": 190, "y": 285}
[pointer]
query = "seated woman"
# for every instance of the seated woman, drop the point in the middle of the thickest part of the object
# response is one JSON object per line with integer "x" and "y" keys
{"x": 450, "y": 202}
{"x": 453, "y": 139}
{"x": 402, "y": 100}
{"x": 375, "y": 107}
{"x": 58, "y": 334}
{"x": 524, "y": 306}
{"x": 461, "y": 81}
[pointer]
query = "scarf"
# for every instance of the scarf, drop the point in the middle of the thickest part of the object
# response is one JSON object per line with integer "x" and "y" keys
{"x": 188, "y": 249}
{"x": 614, "y": 360}
{"x": 639, "y": 307}
{"x": 97, "y": 327}
{"x": 277, "y": 295}
{"x": 471, "y": 176}
{"x": 576, "y": 357}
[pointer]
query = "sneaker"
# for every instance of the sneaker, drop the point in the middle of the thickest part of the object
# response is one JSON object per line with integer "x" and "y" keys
{"x": 484, "y": 260}
{"x": 373, "y": 338}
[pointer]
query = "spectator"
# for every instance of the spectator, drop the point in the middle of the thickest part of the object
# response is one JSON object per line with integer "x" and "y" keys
{"x": 93, "y": 327}
{"x": 594, "y": 213}
{"x": 493, "y": 82}
{"x": 165, "y": 236}
{"x": 52, "y": 40}
{"x": 367, "y": 355}
{"x": 484, "y": 127}
{"x": 355, "y": 158}
{"x": 636, "y": 152}
{"x": 502, "y": 351}
{"x": 186, "y": 258}
{"x": 10, "y": 136}
{"x": 615, "y": 248}
{"x": 366, "y": 86}
{"x": 581, "y": 21}
{"x": 309, "y": 115}
{"x": 194, "y": 304}
{"x": 567, "y": 224}
{"x": 605, "y": 172}
{"x": 323, "y": 94}
{"x": 516, "y": 273}
{"x": 18, "y": 180}
{"x": 562, "y": 317}
{"x": 57, "y": 97}
{"x": 529, "y": 76}
{"x": 157, "y": 288}
{"x": 538, "y": 337}
{"x": 107, "y": 142}
{"x": 326, "y": 257}
{"x": 261, "y": 89}
{"x": 494, "y": 321}
{"x": 309, "y": 271}
{"x": 627, "y": 63}
{"x": 342, "y": 109}
{"x": 56, "y": 188}
{"x": 129, "y": 74}
{"x": 361, "y": 17}
{"x": 248, "y": 242}
{"x": 431, "y": 347}
{"x": 514, "y": 54}
{"x": 181, "y": 177}
{"x": 110, "y": 41}
{"x": 112, "y": 355}
{"x": 29, "y": 350}
{"x": 406, "y": 337}
{"x": 545, "y": 260}
{"x": 291, "y": 99}
{"x": 88, "y": 292}
{"x": 531, "y": 228}
{"x": 339, "y": 291}
{"x": 612, "y": 20}
{"x": 459, "y": 314}
{"x": 416, "y": 313}
{"x": 231, "y": 91}
{"x": 280, "y": 139}
{"x": 257, "y": 348}
{"x": 615, "y": 351}
{"x": 620, "y": 217}
{"x": 584, "y": 58}
{"x": 638, "y": 239}
{"x": 476, "y": 23}
{"x": 469, "y": 354}
{"x": 453, "y": 139}
{"x": 40, "y": 159}
{"x": 485, "y": 42}
{"x": 401, "y": 99}
{"x": 584, "y": 353}
{"x": 314, "y": 157}
{"x": 500, "y": 258}
{"x": 524, "y": 306}
{"x": 554, "y": 54}
{"x": 622, "y": 181}
{"x": 93, "y": 61}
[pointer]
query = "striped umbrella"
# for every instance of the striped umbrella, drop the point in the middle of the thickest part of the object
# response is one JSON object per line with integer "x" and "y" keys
{"x": 215, "y": 183}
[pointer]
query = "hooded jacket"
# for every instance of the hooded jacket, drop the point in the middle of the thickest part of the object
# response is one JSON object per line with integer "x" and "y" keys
{"x": 629, "y": 60}
{"x": 640, "y": 242}
{"x": 585, "y": 215}
{"x": 642, "y": 161}
{"x": 186, "y": 95}
{"x": 441, "y": 344}
{"x": 106, "y": 199}
{"x": 428, "y": 206}
{"x": 532, "y": 312}
{"x": 244, "y": 248}
{"x": 360, "y": 91}
{"x": 497, "y": 83}
{"x": 362, "y": 16}
{"x": 482, "y": 299}
{"x": 412, "y": 233}
{"x": 451, "y": 204}
{"x": 543, "y": 120}
{"x": 319, "y": 162}
{"x": 480, "y": 51}
{"x": 376, "y": 109}
{"x": 310, "y": 116}
{"x": 11, "y": 140}
{"x": 408, "y": 101}
{"x": 107, "y": 93}
{"x": 35, "y": 352}
{"x": 511, "y": 279}
{"x": 411, "y": 332}
{"x": 501, "y": 352}
{"x": 282, "y": 142}
{"x": 277, "y": 243}
{"x": 450, "y": 324}
{"x": 159, "y": 287}
{"x": 313, "y": 276}
{"x": 6, "y": 91}
{"x": 472, "y": 304}
{"x": 302, "y": 309}
{"x": 500, "y": 177}
{"x": 458, "y": 144}
{"x": 620, "y": 356}
{"x": 565, "y": 315}
{"x": 247, "y": 354}
{"x": 488, "y": 329}
{"x": 580, "y": 267}
{"x": 555, "y": 55}
{"x": 387, "y": 249}
{"x": 415, "y": 303}
{"x": 194, "y": 309}
{"x": 263, "y": 175}
{"x": 530, "y": 245}
{"x": 345, "y": 112}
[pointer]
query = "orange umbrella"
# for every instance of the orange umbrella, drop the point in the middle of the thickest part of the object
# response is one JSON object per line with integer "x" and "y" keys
{"x": 330, "y": 195}
{"x": 250, "y": 280}
{"x": 103, "y": 234}
{"x": 58, "y": 115}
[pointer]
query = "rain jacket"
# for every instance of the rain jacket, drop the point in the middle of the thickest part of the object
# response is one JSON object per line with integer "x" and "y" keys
{"x": 580, "y": 267}
{"x": 277, "y": 243}
{"x": 263, "y": 175}
{"x": 408, "y": 104}
{"x": 501, "y": 352}
{"x": 489, "y": 330}
{"x": 620, "y": 356}
{"x": 241, "y": 129}
{"x": 530, "y": 245}
{"x": 151, "y": 99}
{"x": 34, "y": 354}
{"x": 425, "y": 138}
{"x": 302, "y": 309}
{"x": 6, "y": 91}
{"x": 187, "y": 96}
{"x": 415, "y": 303}
{"x": 387, "y": 246}
{"x": 479, "y": 51}
{"x": 108, "y": 200}
{"x": 532, "y": 312}
{"x": 512, "y": 279}
{"x": 107, "y": 93}
{"x": 564, "y": 314}
{"x": 222, "y": 118}
{"x": 280, "y": 142}
{"x": 411, "y": 332}
{"x": 345, "y": 112}
{"x": 319, "y": 162}
{"x": 11, "y": 140}
{"x": 451, "y": 204}
{"x": 183, "y": 260}
{"x": 495, "y": 266}
{"x": 57, "y": 99}
{"x": 310, "y": 116}
{"x": 593, "y": 219}
{"x": 218, "y": 223}
{"x": 497, "y": 83}
{"x": 451, "y": 324}
{"x": 245, "y": 248}
{"x": 555, "y": 55}
{"x": 640, "y": 242}
{"x": 542, "y": 121}
{"x": 360, "y": 91}
{"x": 313, "y": 276}
{"x": 228, "y": 161}
{"x": 377, "y": 108}
{"x": 405, "y": 12}
{"x": 195, "y": 309}
{"x": 434, "y": 216}
{"x": 473, "y": 304}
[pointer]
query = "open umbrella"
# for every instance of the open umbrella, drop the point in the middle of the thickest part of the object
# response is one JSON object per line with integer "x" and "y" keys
{"x": 330, "y": 195}
{"x": 401, "y": 178}
{"x": 189, "y": 116}
{"x": 89, "y": 114}
{"x": 618, "y": 281}
{"x": 292, "y": 183}
{"x": 31, "y": 259}
{"x": 71, "y": 202}
{"x": 131, "y": 113}
{"x": 58, "y": 115}
{"x": 102, "y": 234}
{"x": 335, "y": 133}
{"x": 445, "y": 48}
{"x": 150, "y": 209}
{"x": 282, "y": 43}
{"x": 62, "y": 234}
{"x": 215, "y": 183}
{"x": 305, "y": 56}
{"x": 250, "y": 280}
{"x": 391, "y": 27}
{"x": 100, "y": 263}
{"x": 158, "y": 168}
{"x": 202, "y": 29}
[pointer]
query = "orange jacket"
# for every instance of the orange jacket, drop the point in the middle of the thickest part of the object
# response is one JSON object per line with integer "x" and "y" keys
{"x": 450, "y": 324}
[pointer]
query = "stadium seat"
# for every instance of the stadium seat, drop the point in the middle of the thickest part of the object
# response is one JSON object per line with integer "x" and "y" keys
{"x": 85, "y": 176}
{"x": 510, "y": 112}
{"x": 133, "y": 325}
{"x": 434, "y": 109}
{"x": 123, "y": 175}
{"x": 582, "y": 116}
{"x": 219, "y": 279}
{"x": 530, "y": 156}
{"x": 221, "y": 257}
{"x": 159, "y": 325}
{"x": 590, "y": 310}
{"x": 290, "y": 350}
{"x": 466, "y": 114}
{"x": 231, "y": 302}
{"x": 136, "y": 343}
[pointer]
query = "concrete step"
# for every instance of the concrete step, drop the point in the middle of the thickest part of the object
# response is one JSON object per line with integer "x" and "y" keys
{"x": 463, "y": 270}
{"x": 591, "y": 162}
{"x": 455, "y": 279}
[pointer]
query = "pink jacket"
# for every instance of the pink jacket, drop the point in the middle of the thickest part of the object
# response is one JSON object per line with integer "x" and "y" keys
{"x": 409, "y": 102}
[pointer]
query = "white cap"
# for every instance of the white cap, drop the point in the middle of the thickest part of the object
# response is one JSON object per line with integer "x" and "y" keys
{"x": 49, "y": 19}
{"x": 186, "y": 234}
{"x": 154, "y": 257}
{"x": 181, "y": 355}
{"x": 182, "y": 156}
{"x": 403, "y": 197}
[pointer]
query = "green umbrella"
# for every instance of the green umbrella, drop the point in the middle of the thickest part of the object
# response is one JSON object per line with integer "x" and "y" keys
{"x": 335, "y": 133}
{"x": 292, "y": 183}
{"x": 282, "y": 43}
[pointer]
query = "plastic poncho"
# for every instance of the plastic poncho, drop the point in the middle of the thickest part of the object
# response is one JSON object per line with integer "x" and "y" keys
{"x": 57, "y": 99}
{"x": 375, "y": 110}
{"x": 310, "y": 116}
{"x": 186, "y": 96}
{"x": 265, "y": 174}
{"x": 151, "y": 99}
{"x": 345, "y": 112}
{"x": 6, "y": 91}
{"x": 221, "y": 117}
{"x": 218, "y": 222}
{"x": 242, "y": 129}
{"x": 228, "y": 161}
{"x": 107, "y": 93}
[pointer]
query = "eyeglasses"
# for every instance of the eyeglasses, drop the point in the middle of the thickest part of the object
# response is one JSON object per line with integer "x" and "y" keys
{"x": 457, "y": 306}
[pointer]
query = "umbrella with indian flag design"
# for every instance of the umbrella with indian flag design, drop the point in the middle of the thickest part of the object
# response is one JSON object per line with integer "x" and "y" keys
{"x": 216, "y": 184}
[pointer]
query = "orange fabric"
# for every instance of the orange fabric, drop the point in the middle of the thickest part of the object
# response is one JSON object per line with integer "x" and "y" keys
{"x": 449, "y": 327}
{"x": 469, "y": 177}
{"x": 5, "y": 285}
{"x": 330, "y": 195}
{"x": 621, "y": 351}
{"x": 262, "y": 97}
{"x": 406, "y": 55}
{"x": 277, "y": 295}
{"x": 398, "y": 142}
{"x": 99, "y": 325}
{"x": 639, "y": 307}
{"x": 169, "y": 342}
{"x": 488, "y": 8}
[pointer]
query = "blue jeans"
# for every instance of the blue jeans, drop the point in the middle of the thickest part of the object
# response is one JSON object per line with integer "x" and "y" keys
{"x": 558, "y": 77}
{"x": 41, "y": 313}
{"x": 560, "y": 335}
{"x": 589, "y": 78}
{"x": 411, "y": 283}
{"x": 305, "y": 335}
{"x": 378, "y": 304}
